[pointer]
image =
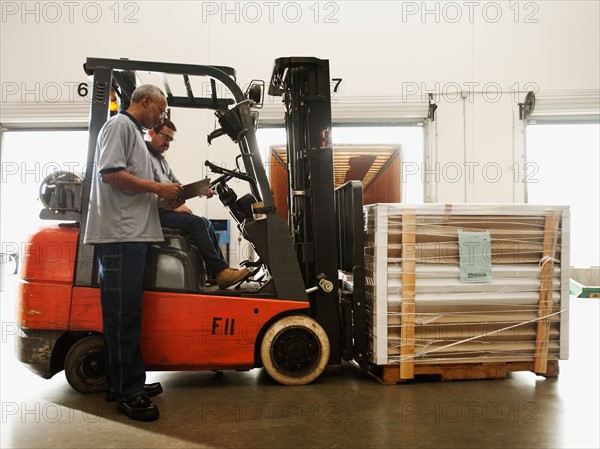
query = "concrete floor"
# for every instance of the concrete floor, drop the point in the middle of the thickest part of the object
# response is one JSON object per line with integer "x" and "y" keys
{"x": 345, "y": 408}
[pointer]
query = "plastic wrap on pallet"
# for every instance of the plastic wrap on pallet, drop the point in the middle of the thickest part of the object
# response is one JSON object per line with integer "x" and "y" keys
{"x": 458, "y": 322}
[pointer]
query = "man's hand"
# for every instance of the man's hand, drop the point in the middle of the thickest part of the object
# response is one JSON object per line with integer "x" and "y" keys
{"x": 169, "y": 190}
{"x": 126, "y": 181}
{"x": 183, "y": 209}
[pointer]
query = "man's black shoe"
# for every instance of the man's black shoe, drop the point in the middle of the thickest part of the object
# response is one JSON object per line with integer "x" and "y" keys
{"x": 140, "y": 408}
{"x": 151, "y": 390}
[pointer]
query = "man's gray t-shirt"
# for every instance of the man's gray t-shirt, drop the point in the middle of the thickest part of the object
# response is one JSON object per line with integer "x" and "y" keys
{"x": 160, "y": 167}
{"x": 117, "y": 215}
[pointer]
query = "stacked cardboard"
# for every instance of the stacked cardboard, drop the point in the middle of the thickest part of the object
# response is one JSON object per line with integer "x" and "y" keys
{"x": 426, "y": 307}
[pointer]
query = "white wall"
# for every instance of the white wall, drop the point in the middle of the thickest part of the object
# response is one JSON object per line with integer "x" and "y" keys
{"x": 398, "y": 49}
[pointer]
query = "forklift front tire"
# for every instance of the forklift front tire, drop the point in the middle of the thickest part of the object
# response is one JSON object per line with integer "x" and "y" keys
{"x": 84, "y": 365}
{"x": 295, "y": 350}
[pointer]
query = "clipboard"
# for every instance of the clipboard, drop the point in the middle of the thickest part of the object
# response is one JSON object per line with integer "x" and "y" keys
{"x": 198, "y": 188}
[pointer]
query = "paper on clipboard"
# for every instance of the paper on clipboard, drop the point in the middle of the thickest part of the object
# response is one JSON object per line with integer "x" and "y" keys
{"x": 198, "y": 188}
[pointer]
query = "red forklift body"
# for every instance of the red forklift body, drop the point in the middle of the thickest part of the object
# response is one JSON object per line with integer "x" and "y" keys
{"x": 179, "y": 331}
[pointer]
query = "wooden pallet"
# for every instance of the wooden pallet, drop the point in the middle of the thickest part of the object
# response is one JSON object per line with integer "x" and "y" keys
{"x": 390, "y": 374}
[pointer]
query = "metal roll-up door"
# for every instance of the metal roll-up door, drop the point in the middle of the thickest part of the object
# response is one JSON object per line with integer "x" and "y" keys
{"x": 357, "y": 110}
{"x": 566, "y": 106}
{"x": 44, "y": 115}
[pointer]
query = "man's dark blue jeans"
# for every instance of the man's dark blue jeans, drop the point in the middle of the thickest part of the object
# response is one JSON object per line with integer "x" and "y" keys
{"x": 202, "y": 234}
{"x": 121, "y": 286}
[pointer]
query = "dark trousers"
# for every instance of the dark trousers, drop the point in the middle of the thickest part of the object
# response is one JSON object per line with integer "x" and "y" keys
{"x": 121, "y": 286}
{"x": 202, "y": 234}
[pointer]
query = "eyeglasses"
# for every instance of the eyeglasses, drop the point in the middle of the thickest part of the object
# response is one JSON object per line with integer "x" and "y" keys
{"x": 166, "y": 137}
{"x": 163, "y": 114}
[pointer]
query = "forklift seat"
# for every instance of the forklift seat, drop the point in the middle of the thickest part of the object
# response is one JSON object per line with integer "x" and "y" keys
{"x": 174, "y": 265}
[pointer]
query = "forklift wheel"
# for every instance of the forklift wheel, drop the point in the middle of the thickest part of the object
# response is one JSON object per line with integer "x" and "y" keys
{"x": 84, "y": 365}
{"x": 295, "y": 350}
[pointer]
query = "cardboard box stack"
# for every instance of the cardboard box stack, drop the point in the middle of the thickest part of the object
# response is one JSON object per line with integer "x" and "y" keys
{"x": 467, "y": 284}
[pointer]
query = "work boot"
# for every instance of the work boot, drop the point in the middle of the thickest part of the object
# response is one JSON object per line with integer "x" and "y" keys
{"x": 231, "y": 276}
{"x": 139, "y": 408}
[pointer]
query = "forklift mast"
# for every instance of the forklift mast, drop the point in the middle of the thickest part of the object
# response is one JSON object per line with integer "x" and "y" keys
{"x": 304, "y": 84}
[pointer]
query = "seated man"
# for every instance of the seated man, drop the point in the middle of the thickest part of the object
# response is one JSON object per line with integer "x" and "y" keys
{"x": 199, "y": 229}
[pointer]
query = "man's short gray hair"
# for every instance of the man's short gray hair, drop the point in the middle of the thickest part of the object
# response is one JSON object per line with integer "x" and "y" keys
{"x": 146, "y": 90}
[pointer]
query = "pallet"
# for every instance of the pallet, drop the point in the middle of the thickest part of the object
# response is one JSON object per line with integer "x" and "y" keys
{"x": 390, "y": 374}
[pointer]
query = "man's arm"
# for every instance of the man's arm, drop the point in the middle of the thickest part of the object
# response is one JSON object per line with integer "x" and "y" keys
{"x": 126, "y": 181}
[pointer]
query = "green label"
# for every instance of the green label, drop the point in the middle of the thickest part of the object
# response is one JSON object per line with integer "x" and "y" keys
{"x": 475, "y": 256}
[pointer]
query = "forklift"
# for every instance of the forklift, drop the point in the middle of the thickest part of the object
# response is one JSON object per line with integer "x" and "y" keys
{"x": 303, "y": 308}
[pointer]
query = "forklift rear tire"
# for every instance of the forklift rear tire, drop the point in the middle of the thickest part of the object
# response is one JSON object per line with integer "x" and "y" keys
{"x": 84, "y": 365}
{"x": 295, "y": 350}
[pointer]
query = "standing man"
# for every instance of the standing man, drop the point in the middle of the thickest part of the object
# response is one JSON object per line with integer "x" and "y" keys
{"x": 122, "y": 222}
{"x": 199, "y": 229}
